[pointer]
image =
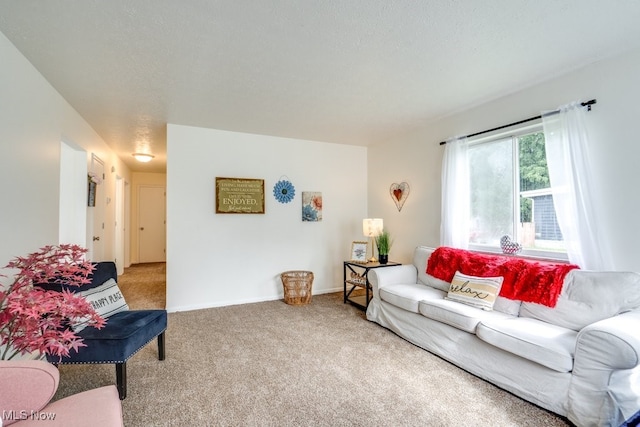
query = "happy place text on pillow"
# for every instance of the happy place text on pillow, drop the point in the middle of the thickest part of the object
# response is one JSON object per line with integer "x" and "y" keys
{"x": 106, "y": 300}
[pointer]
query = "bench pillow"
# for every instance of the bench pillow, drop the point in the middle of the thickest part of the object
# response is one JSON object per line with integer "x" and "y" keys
{"x": 105, "y": 299}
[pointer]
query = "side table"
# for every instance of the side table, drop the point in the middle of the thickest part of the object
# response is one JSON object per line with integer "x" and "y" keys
{"x": 356, "y": 275}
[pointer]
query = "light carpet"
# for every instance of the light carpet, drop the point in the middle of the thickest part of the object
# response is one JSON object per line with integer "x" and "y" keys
{"x": 323, "y": 364}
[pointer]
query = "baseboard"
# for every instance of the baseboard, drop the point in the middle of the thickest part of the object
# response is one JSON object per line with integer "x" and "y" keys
{"x": 244, "y": 301}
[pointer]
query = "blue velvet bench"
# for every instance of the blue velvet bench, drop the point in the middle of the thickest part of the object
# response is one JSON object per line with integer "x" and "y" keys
{"x": 125, "y": 333}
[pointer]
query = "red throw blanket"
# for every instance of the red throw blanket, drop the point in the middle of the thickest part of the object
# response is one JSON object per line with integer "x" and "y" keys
{"x": 525, "y": 280}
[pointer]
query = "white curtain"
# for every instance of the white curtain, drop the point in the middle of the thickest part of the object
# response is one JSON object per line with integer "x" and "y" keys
{"x": 454, "y": 228}
{"x": 566, "y": 143}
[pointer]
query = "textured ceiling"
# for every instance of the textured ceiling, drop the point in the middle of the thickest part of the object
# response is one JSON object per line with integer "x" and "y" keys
{"x": 343, "y": 71}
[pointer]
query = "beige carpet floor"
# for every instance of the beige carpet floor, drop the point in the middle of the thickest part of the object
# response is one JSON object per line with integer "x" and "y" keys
{"x": 144, "y": 285}
{"x": 323, "y": 364}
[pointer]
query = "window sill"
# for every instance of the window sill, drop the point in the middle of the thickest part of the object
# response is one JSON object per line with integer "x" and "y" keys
{"x": 527, "y": 254}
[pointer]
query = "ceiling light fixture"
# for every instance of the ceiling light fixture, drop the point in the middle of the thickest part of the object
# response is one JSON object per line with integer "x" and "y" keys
{"x": 143, "y": 157}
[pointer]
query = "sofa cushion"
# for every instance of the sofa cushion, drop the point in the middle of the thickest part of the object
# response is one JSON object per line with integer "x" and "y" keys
{"x": 480, "y": 292}
{"x": 420, "y": 258}
{"x": 124, "y": 334}
{"x": 587, "y": 297}
{"x": 549, "y": 345}
{"x": 103, "y": 271}
{"x": 460, "y": 316}
{"x": 101, "y": 405}
{"x": 408, "y": 296}
{"x": 507, "y": 306}
{"x": 434, "y": 282}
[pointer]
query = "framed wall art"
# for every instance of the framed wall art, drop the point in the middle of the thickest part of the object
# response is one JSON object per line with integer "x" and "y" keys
{"x": 311, "y": 206}
{"x": 239, "y": 195}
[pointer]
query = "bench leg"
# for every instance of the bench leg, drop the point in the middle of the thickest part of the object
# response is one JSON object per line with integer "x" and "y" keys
{"x": 121, "y": 379}
{"x": 161, "y": 346}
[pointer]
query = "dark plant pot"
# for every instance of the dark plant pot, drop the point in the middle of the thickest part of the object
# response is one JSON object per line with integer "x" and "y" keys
{"x": 383, "y": 259}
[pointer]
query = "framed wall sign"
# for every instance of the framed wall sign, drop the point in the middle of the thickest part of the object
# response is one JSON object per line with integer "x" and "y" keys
{"x": 359, "y": 252}
{"x": 239, "y": 195}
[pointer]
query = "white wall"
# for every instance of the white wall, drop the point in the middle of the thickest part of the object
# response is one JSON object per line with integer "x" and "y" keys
{"x": 222, "y": 259}
{"x": 73, "y": 198}
{"x": 34, "y": 119}
{"x": 615, "y": 150}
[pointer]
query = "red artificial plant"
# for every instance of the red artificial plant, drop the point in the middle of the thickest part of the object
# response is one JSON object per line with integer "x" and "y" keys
{"x": 36, "y": 320}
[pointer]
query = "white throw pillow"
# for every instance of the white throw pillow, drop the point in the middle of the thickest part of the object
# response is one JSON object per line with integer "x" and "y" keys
{"x": 105, "y": 299}
{"x": 480, "y": 292}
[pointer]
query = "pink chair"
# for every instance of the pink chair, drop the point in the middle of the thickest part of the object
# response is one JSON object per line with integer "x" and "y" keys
{"x": 27, "y": 386}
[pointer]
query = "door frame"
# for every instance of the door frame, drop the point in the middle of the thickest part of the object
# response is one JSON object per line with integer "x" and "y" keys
{"x": 98, "y": 209}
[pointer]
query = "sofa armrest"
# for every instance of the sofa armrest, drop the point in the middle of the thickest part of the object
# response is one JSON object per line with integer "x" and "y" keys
{"x": 611, "y": 343}
{"x": 381, "y": 277}
{"x": 26, "y": 385}
{"x": 605, "y": 370}
{"x": 102, "y": 403}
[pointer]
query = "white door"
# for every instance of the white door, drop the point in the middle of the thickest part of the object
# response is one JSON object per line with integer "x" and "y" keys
{"x": 96, "y": 213}
{"x": 151, "y": 224}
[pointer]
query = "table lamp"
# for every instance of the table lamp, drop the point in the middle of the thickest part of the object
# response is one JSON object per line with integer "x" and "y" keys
{"x": 372, "y": 228}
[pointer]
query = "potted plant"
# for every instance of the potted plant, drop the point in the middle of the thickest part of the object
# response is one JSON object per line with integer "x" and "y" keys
{"x": 42, "y": 322}
{"x": 383, "y": 242}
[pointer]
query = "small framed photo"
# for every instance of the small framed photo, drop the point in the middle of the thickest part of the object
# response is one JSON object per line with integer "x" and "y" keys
{"x": 359, "y": 252}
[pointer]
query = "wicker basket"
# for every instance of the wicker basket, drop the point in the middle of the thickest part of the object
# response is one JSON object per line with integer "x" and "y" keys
{"x": 297, "y": 287}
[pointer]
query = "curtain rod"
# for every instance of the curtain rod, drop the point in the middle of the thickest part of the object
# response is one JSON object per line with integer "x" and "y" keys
{"x": 587, "y": 104}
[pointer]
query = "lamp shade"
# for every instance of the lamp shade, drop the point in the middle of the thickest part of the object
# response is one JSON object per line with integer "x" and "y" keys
{"x": 372, "y": 227}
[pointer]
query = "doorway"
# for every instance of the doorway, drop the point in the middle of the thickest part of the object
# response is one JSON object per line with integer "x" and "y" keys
{"x": 151, "y": 224}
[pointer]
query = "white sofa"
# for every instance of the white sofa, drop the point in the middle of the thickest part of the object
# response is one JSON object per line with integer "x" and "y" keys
{"x": 580, "y": 359}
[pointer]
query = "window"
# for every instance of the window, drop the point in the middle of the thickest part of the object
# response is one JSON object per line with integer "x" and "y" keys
{"x": 511, "y": 194}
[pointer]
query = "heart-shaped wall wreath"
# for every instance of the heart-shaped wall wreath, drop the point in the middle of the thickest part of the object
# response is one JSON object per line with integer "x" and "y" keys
{"x": 399, "y": 193}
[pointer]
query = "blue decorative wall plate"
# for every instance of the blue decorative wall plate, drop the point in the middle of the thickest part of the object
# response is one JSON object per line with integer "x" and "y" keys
{"x": 284, "y": 191}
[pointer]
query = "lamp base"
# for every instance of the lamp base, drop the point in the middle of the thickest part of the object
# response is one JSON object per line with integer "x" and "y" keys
{"x": 373, "y": 258}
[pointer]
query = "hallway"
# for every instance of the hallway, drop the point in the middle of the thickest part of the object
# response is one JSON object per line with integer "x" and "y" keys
{"x": 144, "y": 286}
